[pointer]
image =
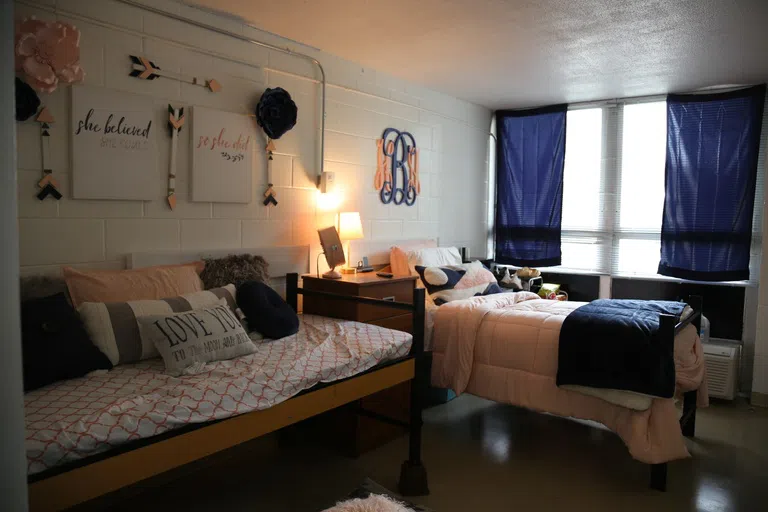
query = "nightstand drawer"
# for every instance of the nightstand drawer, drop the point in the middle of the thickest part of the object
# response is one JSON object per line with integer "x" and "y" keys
{"x": 399, "y": 323}
{"x": 396, "y": 290}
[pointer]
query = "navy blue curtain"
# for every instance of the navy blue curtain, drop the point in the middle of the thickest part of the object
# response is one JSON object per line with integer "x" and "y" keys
{"x": 529, "y": 185}
{"x": 712, "y": 146}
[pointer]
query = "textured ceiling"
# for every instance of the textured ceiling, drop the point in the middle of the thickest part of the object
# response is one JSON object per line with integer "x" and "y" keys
{"x": 513, "y": 53}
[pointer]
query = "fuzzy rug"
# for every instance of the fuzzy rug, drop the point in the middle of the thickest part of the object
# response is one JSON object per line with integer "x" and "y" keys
{"x": 372, "y": 497}
{"x": 373, "y": 503}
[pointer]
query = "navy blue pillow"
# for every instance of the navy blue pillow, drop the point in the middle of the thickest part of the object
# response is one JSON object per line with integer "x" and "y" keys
{"x": 266, "y": 311}
{"x": 55, "y": 345}
{"x": 437, "y": 279}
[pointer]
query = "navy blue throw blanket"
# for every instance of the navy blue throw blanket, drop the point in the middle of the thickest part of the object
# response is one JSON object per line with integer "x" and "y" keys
{"x": 713, "y": 142}
{"x": 616, "y": 344}
{"x": 530, "y": 157}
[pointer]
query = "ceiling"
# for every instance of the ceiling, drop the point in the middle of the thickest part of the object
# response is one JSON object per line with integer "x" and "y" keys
{"x": 517, "y": 53}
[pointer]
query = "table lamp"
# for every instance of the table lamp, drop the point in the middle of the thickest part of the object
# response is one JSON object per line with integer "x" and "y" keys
{"x": 350, "y": 228}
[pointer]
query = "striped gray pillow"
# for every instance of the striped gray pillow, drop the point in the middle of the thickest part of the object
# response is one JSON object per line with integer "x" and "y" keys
{"x": 113, "y": 327}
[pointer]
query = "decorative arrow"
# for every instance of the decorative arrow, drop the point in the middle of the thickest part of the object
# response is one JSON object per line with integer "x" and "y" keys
{"x": 175, "y": 122}
{"x": 49, "y": 190}
{"x": 270, "y": 196}
{"x": 48, "y": 184}
{"x": 145, "y": 69}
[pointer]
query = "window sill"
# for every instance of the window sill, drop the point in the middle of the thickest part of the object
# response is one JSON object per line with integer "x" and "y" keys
{"x": 640, "y": 277}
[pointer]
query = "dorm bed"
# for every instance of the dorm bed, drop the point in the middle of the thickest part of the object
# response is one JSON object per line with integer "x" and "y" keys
{"x": 505, "y": 347}
{"x": 93, "y": 435}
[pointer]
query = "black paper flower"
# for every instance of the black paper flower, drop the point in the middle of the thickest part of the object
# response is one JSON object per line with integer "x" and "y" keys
{"x": 276, "y": 112}
{"x": 27, "y": 101}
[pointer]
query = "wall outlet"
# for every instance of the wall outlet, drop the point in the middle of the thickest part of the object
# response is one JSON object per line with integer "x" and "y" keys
{"x": 326, "y": 182}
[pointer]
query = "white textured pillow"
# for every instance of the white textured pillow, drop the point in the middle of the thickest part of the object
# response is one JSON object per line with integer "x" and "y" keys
{"x": 113, "y": 328}
{"x": 202, "y": 335}
{"x": 433, "y": 257}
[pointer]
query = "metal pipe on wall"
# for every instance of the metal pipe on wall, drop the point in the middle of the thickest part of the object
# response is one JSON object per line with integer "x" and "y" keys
{"x": 287, "y": 51}
{"x": 212, "y": 28}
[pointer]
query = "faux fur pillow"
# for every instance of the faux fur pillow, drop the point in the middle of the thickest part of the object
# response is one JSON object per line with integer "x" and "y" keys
{"x": 235, "y": 269}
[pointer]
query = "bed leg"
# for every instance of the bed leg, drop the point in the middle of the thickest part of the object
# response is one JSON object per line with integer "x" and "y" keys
{"x": 659, "y": 477}
{"x": 291, "y": 290}
{"x": 413, "y": 474}
{"x": 688, "y": 421}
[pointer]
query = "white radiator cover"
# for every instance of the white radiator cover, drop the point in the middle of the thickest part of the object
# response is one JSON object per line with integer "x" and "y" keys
{"x": 722, "y": 360}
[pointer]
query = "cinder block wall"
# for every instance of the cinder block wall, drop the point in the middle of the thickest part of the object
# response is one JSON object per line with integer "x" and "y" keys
{"x": 452, "y": 135}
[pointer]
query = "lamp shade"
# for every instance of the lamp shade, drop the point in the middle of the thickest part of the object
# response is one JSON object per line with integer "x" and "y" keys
{"x": 350, "y": 226}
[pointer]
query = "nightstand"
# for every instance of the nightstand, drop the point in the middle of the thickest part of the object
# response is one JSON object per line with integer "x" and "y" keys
{"x": 352, "y": 433}
{"x": 398, "y": 289}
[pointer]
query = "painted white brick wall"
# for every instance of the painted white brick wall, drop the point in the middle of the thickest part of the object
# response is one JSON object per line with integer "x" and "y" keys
{"x": 361, "y": 102}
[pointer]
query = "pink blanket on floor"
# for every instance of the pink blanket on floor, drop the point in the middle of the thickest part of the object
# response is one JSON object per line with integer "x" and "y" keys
{"x": 504, "y": 348}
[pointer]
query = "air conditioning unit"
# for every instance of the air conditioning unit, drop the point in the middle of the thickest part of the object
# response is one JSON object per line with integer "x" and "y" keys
{"x": 722, "y": 360}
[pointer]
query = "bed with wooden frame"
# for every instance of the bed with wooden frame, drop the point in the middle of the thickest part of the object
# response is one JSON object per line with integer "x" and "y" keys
{"x": 65, "y": 486}
{"x": 378, "y": 255}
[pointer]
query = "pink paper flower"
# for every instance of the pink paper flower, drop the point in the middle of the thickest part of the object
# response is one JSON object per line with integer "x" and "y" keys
{"x": 48, "y": 53}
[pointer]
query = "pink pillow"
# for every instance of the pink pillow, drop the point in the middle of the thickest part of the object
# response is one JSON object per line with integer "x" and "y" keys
{"x": 150, "y": 283}
{"x": 398, "y": 255}
{"x": 398, "y": 260}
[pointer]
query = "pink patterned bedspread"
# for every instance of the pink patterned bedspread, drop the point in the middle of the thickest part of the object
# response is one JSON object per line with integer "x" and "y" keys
{"x": 73, "y": 419}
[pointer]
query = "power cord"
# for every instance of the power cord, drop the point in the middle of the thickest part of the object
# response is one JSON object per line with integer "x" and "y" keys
{"x": 317, "y": 264}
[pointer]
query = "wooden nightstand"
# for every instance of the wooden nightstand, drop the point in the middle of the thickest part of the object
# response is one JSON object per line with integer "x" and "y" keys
{"x": 398, "y": 289}
{"x": 350, "y": 432}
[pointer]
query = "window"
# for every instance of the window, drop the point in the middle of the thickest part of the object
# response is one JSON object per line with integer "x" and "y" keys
{"x": 583, "y": 226}
{"x": 582, "y": 176}
{"x": 643, "y": 133}
{"x": 613, "y": 189}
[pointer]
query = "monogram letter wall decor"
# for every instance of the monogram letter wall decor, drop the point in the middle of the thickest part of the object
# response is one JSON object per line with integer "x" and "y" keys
{"x": 397, "y": 155}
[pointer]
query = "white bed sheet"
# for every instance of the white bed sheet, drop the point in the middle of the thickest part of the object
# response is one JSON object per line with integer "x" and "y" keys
{"x": 76, "y": 418}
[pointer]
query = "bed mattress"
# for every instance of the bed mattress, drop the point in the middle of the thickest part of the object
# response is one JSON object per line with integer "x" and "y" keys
{"x": 505, "y": 348}
{"x": 77, "y": 418}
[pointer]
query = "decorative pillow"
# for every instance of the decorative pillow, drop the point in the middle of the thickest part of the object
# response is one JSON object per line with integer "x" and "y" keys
{"x": 37, "y": 287}
{"x": 150, "y": 283}
{"x": 398, "y": 262}
{"x": 457, "y": 282}
{"x": 113, "y": 328}
{"x": 199, "y": 336}
{"x": 55, "y": 345}
{"x": 433, "y": 257}
{"x": 266, "y": 311}
{"x": 398, "y": 256}
{"x": 235, "y": 269}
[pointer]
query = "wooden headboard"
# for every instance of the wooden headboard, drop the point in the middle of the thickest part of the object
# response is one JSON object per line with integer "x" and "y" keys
{"x": 282, "y": 260}
{"x": 378, "y": 250}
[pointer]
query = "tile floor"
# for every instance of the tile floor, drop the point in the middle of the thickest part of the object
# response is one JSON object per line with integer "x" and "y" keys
{"x": 482, "y": 456}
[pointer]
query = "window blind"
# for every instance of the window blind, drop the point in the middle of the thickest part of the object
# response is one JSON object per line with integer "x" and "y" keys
{"x": 612, "y": 203}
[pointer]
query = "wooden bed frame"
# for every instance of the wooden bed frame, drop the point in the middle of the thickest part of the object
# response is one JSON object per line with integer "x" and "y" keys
{"x": 61, "y": 488}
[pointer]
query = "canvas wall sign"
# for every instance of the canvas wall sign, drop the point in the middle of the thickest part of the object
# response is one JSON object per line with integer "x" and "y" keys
{"x": 114, "y": 146}
{"x": 223, "y": 146}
